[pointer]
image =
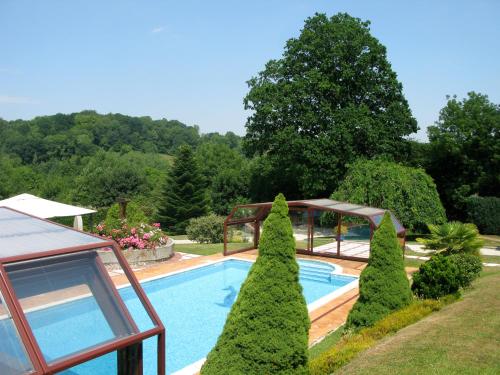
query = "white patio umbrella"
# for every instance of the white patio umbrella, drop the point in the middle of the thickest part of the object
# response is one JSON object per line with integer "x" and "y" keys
{"x": 44, "y": 208}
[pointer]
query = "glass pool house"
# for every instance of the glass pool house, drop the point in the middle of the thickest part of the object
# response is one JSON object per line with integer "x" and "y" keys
{"x": 60, "y": 310}
{"x": 321, "y": 227}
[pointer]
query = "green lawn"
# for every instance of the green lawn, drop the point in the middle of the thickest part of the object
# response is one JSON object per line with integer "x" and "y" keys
{"x": 207, "y": 249}
{"x": 180, "y": 237}
{"x": 302, "y": 244}
{"x": 491, "y": 240}
{"x": 326, "y": 343}
{"x": 416, "y": 262}
{"x": 463, "y": 338}
{"x": 490, "y": 259}
{"x": 413, "y": 262}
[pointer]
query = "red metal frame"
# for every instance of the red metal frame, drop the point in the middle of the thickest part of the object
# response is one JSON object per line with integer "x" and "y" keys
{"x": 28, "y": 339}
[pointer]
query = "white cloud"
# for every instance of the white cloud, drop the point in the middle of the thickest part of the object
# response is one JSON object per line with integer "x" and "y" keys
{"x": 158, "y": 29}
{"x": 9, "y": 99}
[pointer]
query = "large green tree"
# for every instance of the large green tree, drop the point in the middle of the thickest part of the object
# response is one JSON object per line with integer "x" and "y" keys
{"x": 331, "y": 98}
{"x": 108, "y": 177}
{"x": 184, "y": 196}
{"x": 383, "y": 285}
{"x": 465, "y": 151}
{"x": 266, "y": 331}
{"x": 226, "y": 173}
{"x": 408, "y": 192}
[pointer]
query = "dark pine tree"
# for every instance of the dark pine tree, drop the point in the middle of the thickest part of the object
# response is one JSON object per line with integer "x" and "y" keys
{"x": 184, "y": 196}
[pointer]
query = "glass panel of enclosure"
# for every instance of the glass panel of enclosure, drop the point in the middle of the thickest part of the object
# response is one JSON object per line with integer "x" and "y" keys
{"x": 245, "y": 213}
{"x": 355, "y": 237}
{"x": 70, "y": 303}
{"x": 324, "y": 231}
{"x": 13, "y": 357}
{"x": 299, "y": 219}
{"x": 22, "y": 234}
{"x": 240, "y": 236}
{"x": 397, "y": 225}
{"x": 126, "y": 291}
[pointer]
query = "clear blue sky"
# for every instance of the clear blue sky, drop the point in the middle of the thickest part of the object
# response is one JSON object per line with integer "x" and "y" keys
{"x": 189, "y": 60}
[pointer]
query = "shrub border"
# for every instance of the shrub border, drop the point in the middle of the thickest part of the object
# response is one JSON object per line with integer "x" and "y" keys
{"x": 352, "y": 344}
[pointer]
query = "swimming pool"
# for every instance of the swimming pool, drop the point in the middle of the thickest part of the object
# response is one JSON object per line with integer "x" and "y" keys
{"x": 192, "y": 304}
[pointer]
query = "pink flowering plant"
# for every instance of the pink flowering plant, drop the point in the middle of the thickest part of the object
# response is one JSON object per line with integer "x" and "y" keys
{"x": 143, "y": 236}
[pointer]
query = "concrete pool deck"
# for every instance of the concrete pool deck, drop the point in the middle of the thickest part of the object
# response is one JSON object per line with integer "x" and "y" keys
{"x": 324, "y": 319}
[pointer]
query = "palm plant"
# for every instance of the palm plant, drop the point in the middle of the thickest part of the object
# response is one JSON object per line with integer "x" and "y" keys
{"x": 452, "y": 238}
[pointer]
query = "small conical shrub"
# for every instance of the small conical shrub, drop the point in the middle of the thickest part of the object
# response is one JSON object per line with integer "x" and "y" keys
{"x": 266, "y": 331}
{"x": 383, "y": 285}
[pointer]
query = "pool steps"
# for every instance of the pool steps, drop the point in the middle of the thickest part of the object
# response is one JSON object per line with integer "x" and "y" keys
{"x": 316, "y": 272}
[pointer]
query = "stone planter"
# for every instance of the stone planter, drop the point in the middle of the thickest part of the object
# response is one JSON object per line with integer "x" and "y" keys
{"x": 135, "y": 256}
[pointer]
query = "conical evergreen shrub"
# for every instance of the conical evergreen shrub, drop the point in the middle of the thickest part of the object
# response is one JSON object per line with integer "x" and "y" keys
{"x": 383, "y": 285}
{"x": 266, "y": 331}
{"x": 184, "y": 195}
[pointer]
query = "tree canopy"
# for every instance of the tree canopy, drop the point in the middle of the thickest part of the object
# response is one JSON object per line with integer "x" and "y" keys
{"x": 331, "y": 98}
{"x": 465, "y": 151}
{"x": 408, "y": 192}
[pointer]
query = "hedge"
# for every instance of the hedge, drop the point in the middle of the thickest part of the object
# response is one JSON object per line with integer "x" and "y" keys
{"x": 351, "y": 345}
{"x": 485, "y": 213}
{"x": 206, "y": 229}
{"x": 267, "y": 329}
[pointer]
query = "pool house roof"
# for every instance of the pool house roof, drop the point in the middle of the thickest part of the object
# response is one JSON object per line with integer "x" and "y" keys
{"x": 59, "y": 307}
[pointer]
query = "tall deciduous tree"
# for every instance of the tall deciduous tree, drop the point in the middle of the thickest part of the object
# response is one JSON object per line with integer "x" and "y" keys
{"x": 184, "y": 195}
{"x": 266, "y": 331}
{"x": 465, "y": 151}
{"x": 331, "y": 98}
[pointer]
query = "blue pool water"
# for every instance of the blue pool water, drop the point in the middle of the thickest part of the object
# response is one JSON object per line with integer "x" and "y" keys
{"x": 193, "y": 305}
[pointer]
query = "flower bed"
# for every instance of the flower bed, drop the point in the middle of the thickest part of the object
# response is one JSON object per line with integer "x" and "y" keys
{"x": 140, "y": 244}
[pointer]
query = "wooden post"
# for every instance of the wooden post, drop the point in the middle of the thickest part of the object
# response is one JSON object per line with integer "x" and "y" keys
{"x": 130, "y": 360}
{"x": 225, "y": 238}
{"x": 122, "y": 202}
{"x": 310, "y": 214}
{"x": 339, "y": 234}
{"x": 256, "y": 234}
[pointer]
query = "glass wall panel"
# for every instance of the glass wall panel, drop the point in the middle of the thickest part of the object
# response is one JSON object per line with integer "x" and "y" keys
{"x": 13, "y": 357}
{"x": 299, "y": 221}
{"x": 245, "y": 213}
{"x": 355, "y": 237}
{"x": 240, "y": 236}
{"x": 128, "y": 294}
{"x": 325, "y": 232}
{"x": 70, "y": 303}
{"x": 22, "y": 234}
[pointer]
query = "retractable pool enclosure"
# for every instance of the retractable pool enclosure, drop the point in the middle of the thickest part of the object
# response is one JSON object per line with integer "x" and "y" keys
{"x": 59, "y": 307}
{"x": 321, "y": 227}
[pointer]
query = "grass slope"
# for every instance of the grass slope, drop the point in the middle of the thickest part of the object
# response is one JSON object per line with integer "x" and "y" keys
{"x": 463, "y": 338}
